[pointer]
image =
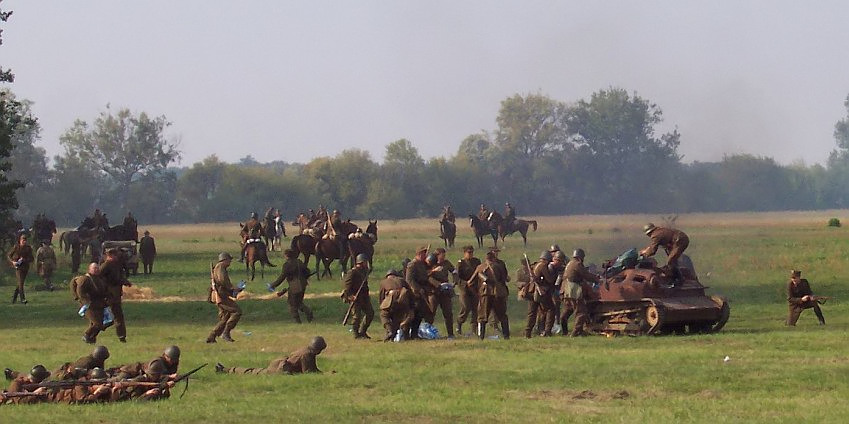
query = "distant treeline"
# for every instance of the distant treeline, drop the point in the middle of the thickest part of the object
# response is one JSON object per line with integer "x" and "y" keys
{"x": 546, "y": 157}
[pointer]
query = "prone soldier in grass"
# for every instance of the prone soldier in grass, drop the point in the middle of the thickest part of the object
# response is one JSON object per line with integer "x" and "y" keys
{"x": 298, "y": 362}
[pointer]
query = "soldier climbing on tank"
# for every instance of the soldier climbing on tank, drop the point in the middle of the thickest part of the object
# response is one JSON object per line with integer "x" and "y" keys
{"x": 673, "y": 241}
{"x": 800, "y": 297}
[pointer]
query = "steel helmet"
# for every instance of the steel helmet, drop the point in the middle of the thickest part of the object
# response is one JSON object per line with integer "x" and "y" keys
{"x": 545, "y": 255}
{"x": 97, "y": 373}
{"x": 559, "y": 256}
{"x": 254, "y": 215}
{"x": 648, "y": 228}
{"x": 431, "y": 259}
{"x": 318, "y": 344}
{"x": 554, "y": 248}
{"x": 579, "y": 253}
{"x": 361, "y": 258}
{"x": 173, "y": 352}
{"x": 39, "y": 373}
{"x": 224, "y": 256}
{"x": 101, "y": 353}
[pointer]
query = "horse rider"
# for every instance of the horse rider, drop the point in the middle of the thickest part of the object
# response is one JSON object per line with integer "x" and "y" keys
{"x": 336, "y": 223}
{"x": 509, "y": 216}
{"x": 448, "y": 214}
{"x": 311, "y": 217}
{"x": 130, "y": 221}
{"x": 253, "y": 231}
{"x": 321, "y": 215}
{"x": 483, "y": 213}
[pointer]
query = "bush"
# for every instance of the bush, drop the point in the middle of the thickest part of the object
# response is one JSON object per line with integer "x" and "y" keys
{"x": 833, "y": 222}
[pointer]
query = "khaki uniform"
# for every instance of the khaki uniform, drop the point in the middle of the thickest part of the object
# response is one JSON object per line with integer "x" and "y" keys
{"x": 795, "y": 292}
{"x": 468, "y": 295}
{"x": 92, "y": 291}
{"x": 147, "y": 251}
{"x": 424, "y": 295}
{"x": 229, "y": 313}
{"x": 675, "y": 242}
{"x": 363, "y": 312}
{"x": 17, "y": 386}
{"x": 396, "y": 311}
{"x": 298, "y": 362}
{"x": 444, "y": 298}
{"x": 295, "y": 273}
{"x": 112, "y": 274}
{"x": 576, "y": 293}
{"x": 45, "y": 259}
{"x": 19, "y": 252}
{"x": 490, "y": 281}
{"x": 78, "y": 369}
{"x": 541, "y": 301}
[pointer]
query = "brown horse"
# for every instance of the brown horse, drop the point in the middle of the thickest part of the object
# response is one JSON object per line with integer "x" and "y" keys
{"x": 328, "y": 250}
{"x": 303, "y": 244}
{"x": 364, "y": 244}
{"x": 481, "y": 229}
{"x": 269, "y": 231}
{"x": 81, "y": 237}
{"x": 519, "y": 225}
{"x": 256, "y": 252}
{"x": 447, "y": 232}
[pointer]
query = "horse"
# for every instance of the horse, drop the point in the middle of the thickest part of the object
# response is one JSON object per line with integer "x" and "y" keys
{"x": 279, "y": 232}
{"x": 82, "y": 237}
{"x": 269, "y": 231}
{"x": 481, "y": 229}
{"x": 256, "y": 252}
{"x": 519, "y": 225}
{"x": 364, "y": 243}
{"x": 121, "y": 232}
{"x": 447, "y": 232}
{"x": 304, "y": 244}
{"x": 327, "y": 250}
{"x": 44, "y": 229}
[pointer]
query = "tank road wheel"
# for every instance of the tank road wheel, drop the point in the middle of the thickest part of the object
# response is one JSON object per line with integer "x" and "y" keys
{"x": 654, "y": 318}
{"x": 724, "y": 313}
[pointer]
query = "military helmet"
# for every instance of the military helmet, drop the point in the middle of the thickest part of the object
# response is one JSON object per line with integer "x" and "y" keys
{"x": 173, "y": 352}
{"x": 431, "y": 259}
{"x": 579, "y": 253}
{"x": 254, "y": 215}
{"x": 97, "y": 373}
{"x": 318, "y": 344}
{"x": 101, "y": 353}
{"x": 224, "y": 256}
{"x": 554, "y": 248}
{"x": 648, "y": 228}
{"x": 795, "y": 273}
{"x": 362, "y": 258}
{"x": 39, "y": 373}
{"x": 156, "y": 369}
{"x": 545, "y": 255}
{"x": 559, "y": 256}
{"x": 393, "y": 272}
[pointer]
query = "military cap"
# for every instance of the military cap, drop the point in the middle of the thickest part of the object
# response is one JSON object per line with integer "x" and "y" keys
{"x": 795, "y": 273}
{"x": 468, "y": 248}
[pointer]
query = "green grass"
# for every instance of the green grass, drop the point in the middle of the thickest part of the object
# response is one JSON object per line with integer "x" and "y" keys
{"x": 775, "y": 374}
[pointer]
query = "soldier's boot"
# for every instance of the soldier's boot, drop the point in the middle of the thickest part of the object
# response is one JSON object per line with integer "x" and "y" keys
{"x": 450, "y": 327}
{"x": 23, "y": 298}
{"x": 818, "y": 312}
{"x": 211, "y": 338}
{"x": 505, "y": 329}
{"x": 460, "y": 328}
{"x": 219, "y": 368}
{"x": 15, "y": 297}
{"x": 482, "y": 330}
{"x": 226, "y": 336}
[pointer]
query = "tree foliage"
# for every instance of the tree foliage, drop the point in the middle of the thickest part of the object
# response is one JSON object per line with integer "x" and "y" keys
{"x": 14, "y": 120}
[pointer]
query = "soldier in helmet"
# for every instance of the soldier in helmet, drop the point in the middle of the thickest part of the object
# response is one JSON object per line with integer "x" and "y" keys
{"x": 356, "y": 291}
{"x": 295, "y": 273}
{"x": 424, "y": 293}
{"x": 252, "y": 230}
{"x": 164, "y": 365}
{"x": 79, "y": 368}
{"x": 543, "y": 279}
{"x": 444, "y": 277}
{"x": 490, "y": 280}
{"x": 576, "y": 293}
{"x": 801, "y": 297}
{"x": 468, "y": 296}
{"x": 37, "y": 375}
{"x": 396, "y": 309}
{"x": 223, "y": 295}
{"x": 675, "y": 242}
{"x": 112, "y": 273}
{"x": 298, "y": 362}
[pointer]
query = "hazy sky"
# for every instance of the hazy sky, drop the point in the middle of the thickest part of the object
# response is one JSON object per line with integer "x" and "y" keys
{"x": 291, "y": 81}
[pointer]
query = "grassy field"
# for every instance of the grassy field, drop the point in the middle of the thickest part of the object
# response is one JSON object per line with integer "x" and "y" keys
{"x": 776, "y": 374}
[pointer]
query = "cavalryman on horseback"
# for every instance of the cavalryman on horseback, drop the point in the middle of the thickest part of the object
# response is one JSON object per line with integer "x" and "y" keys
{"x": 509, "y": 217}
{"x": 447, "y": 214}
{"x": 335, "y": 224}
{"x": 483, "y": 213}
{"x": 252, "y": 230}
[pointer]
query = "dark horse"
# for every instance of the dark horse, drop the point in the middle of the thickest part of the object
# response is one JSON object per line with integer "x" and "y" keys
{"x": 519, "y": 225}
{"x": 304, "y": 244}
{"x": 269, "y": 231}
{"x": 364, "y": 243}
{"x": 481, "y": 229}
{"x": 327, "y": 250}
{"x": 447, "y": 232}
{"x": 256, "y": 252}
{"x": 121, "y": 232}
{"x": 81, "y": 237}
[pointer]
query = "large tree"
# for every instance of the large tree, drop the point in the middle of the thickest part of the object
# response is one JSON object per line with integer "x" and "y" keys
{"x": 124, "y": 146}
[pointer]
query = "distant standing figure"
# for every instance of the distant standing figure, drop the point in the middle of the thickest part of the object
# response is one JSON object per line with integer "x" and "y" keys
{"x": 800, "y": 297}
{"x": 45, "y": 259}
{"x": 76, "y": 257}
{"x": 21, "y": 257}
{"x": 355, "y": 291}
{"x": 147, "y": 250}
{"x": 295, "y": 273}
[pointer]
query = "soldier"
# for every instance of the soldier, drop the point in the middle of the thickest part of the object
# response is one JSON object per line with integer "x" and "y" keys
{"x": 99, "y": 220}
{"x": 38, "y": 374}
{"x": 83, "y": 365}
{"x": 298, "y": 362}
{"x": 321, "y": 215}
{"x": 112, "y": 272}
{"x": 295, "y": 273}
{"x": 165, "y": 365}
{"x": 468, "y": 296}
{"x": 576, "y": 293}
{"x": 542, "y": 283}
{"x": 89, "y": 289}
{"x": 424, "y": 296}
{"x": 76, "y": 257}
{"x": 311, "y": 217}
{"x": 490, "y": 280}
{"x": 252, "y": 230}
{"x": 441, "y": 271}
{"x": 130, "y": 221}
{"x": 222, "y": 295}
{"x": 147, "y": 251}
{"x": 447, "y": 214}
{"x": 336, "y": 224}
{"x": 396, "y": 310}
{"x": 800, "y": 297}
{"x": 21, "y": 256}
{"x": 483, "y": 213}
{"x": 675, "y": 242}
{"x": 356, "y": 292}
{"x": 509, "y": 216}
{"x": 45, "y": 259}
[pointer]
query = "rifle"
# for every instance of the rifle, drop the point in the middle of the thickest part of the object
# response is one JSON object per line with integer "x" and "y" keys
{"x": 531, "y": 275}
{"x": 354, "y": 302}
{"x": 186, "y": 377}
{"x": 820, "y": 299}
{"x": 10, "y": 395}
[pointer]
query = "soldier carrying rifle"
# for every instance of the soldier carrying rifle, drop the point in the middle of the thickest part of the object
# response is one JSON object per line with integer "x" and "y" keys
{"x": 800, "y": 297}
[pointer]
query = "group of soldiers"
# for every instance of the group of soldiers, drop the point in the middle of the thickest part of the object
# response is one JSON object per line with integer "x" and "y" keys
{"x": 88, "y": 380}
{"x": 101, "y": 289}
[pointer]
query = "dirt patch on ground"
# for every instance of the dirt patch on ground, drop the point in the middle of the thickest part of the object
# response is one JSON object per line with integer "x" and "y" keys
{"x": 561, "y": 395}
{"x": 146, "y": 294}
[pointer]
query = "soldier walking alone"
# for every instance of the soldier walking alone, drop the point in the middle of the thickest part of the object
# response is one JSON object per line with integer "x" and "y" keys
{"x": 222, "y": 295}
{"x": 21, "y": 257}
{"x": 147, "y": 251}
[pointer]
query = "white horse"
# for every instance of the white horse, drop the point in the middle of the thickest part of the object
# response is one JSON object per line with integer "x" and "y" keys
{"x": 279, "y": 230}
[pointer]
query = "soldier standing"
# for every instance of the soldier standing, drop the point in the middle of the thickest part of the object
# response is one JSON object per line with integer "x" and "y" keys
{"x": 542, "y": 284}
{"x": 295, "y": 273}
{"x": 223, "y": 295}
{"x": 45, "y": 259}
{"x": 801, "y": 297}
{"x": 21, "y": 257}
{"x": 468, "y": 296}
{"x": 396, "y": 310}
{"x": 490, "y": 279}
{"x": 424, "y": 296}
{"x": 147, "y": 251}
{"x": 356, "y": 292}
{"x": 441, "y": 271}
{"x": 91, "y": 291}
{"x": 576, "y": 293}
{"x": 675, "y": 242}
{"x": 298, "y": 362}
{"x": 112, "y": 272}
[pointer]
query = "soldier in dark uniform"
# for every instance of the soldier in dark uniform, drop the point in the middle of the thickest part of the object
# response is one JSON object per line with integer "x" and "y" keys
{"x": 147, "y": 251}
{"x": 483, "y": 213}
{"x": 298, "y": 362}
{"x": 45, "y": 259}
{"x": 112, "y": 272}
{"x": 295, "y": 273}
{"x": 92, "y": 291}
{"x": 675, "y": 242}
{"x": 130, "y": 221}
{"x": 396, "y": 311}
{"x": 356, "y": 291}
{"x": 21, "y": 256}
{"x": 76, "y": 256}
{"x": 801, "y": 297}
{"x": 222, "y": 295}
{"x": 424, "y": 293}
{"x": 509, "y": 216}
{"x": 252, "y": 230}
{"x": 576, "y": 293}
{"x": 490, "y": 280}
{"x": 447, "y": 214}
{"x": 445, "y": 278}
{"x": 468, "y": 296}
{"x": 542, "y": 280}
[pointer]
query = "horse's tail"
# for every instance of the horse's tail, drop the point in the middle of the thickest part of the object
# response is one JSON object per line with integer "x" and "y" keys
{"x": 61, "y": 238}
{"x": 534, "y": 223}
